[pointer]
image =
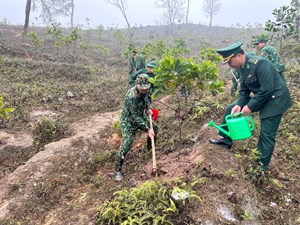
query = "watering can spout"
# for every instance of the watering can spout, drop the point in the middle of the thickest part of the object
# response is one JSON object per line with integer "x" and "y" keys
{"x": 212, "y": 124}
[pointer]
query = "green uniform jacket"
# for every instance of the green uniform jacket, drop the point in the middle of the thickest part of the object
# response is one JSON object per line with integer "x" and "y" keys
{"x": 134, "y": 111}
{"x": 271, "y": 95}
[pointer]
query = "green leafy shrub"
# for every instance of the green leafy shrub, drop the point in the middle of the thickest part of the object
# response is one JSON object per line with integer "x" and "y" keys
{"x": 4, "y": 112}
{"x": 47, "y": 131}
{"x": 292, "y": 74}
{"x": 117, "y": 127}
{"x": 153, "y": 202}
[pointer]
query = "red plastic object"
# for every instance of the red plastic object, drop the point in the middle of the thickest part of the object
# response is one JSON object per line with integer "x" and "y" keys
{"x": 154, "y": 114}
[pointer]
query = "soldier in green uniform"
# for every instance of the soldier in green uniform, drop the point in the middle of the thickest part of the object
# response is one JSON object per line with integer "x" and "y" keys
{"x": 131, "y": 63}
{"x": 134, "y": 117}
{"x": 140, "y": 62}
{"x": 149, "y": 71}
{"x": 262, "y": 90}
{"x": 271, "y": 54}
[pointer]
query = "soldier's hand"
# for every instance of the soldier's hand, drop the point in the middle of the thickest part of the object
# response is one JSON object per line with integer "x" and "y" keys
{"x": 150, "y": 112}
{"x": 151, "y": 133}
{"x": 236, "y": 109}
{"x": 246, "y": 111}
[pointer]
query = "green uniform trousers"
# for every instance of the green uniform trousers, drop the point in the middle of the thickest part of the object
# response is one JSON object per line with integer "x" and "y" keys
{"x": 128, "y": 136}
{"x": 266, "y": 142}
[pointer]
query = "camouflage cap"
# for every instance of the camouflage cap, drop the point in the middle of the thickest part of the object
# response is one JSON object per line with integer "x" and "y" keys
{"x": 152, "y": 64}
{"x": 143, "y": 81}
{"x": 260, "y": 40}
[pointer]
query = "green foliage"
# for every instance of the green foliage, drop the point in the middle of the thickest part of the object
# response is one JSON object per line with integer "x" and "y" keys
{"x": 117, "y": 127}
{"x": 210, "y": 54}
{"x": 246, "y": 216}
{"x": 174, "y": 72}
{"x": 151, "y": 203}
{"x": 47, "y": 131}
{"x": 4, "y": 112}
{"x": 284, "y": 25}
{"x": 127, "y": 53}
{"x": 55, "y": 32}
{"x": 199, "y": 111}
{"x": 34, "y": 38}
{"x": 292, "y": 74}
{"x": 179, "y": 48}
{"x": 155, "y": 50}
{"x": 73, "y": 36}
{"x": 121, "y": 37}
{"x": 159, "y": 49}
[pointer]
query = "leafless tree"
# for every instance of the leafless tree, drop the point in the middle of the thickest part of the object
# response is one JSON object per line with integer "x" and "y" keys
{"x": 122, "y": 5}
{"x": 174, "y": 10}
{"x": 211, "y": 8}
{"x": 49, "y": 10}
{"x": 53, "y": 8}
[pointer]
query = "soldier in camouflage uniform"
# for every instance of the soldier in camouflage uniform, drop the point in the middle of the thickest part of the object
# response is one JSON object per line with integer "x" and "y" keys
{"x": 140, "y": 62}
{"x": 131, "y": 63}
{"x": 271, "y": 54}
{"x": 149, "y": 71}
{"x": 262, "y": 90}
{"x": 134, "y": 117}
{"x": 235, "y": 82}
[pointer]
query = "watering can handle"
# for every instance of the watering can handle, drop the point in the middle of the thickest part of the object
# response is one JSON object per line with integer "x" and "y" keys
{"x": 237, "y": 114}
{"x": 234, "y": 115}
{"x": 251, "y": 122}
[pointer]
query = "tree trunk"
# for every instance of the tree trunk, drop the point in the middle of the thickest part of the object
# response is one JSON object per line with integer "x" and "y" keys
{"x": 187, "y": 12}
{"x": 210, "y": 20}
{"x": 72, "y": 14}
{"x": 27, "y": 15}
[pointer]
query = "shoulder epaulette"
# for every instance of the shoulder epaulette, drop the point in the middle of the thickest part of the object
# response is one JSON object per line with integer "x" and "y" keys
{"x": 253, "y": 60}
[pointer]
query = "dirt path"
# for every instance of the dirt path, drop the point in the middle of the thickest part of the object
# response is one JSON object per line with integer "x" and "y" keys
{"x": 43, "y": 166}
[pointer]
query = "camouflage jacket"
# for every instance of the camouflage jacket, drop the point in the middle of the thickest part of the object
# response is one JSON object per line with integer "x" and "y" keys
{"x": 131, "y": 65}
{"x": 134, "y": 111}
{"x": 235, "y": 81}
{"x": 272, "y": 55}
{"x": 140, "y": 62}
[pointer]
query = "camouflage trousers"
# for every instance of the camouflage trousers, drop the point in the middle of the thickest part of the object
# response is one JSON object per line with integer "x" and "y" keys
{"x": 128, "y": 135}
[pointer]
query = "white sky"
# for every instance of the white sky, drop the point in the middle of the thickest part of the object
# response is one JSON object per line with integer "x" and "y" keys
{"x": 143, "y": 12}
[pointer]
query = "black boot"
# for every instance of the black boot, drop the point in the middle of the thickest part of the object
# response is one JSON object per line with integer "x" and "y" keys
{"x": 223, "y": 142}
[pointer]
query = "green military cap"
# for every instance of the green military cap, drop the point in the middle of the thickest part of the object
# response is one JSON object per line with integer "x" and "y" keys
{"x": 228, "y": 52}
{"x": 143, "y": 81}
{"x": 260, "y": 40}
{"x": 152, "y": 64}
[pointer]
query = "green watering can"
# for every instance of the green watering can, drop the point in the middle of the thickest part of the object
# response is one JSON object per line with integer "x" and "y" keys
{"x": 238, "y": 126}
